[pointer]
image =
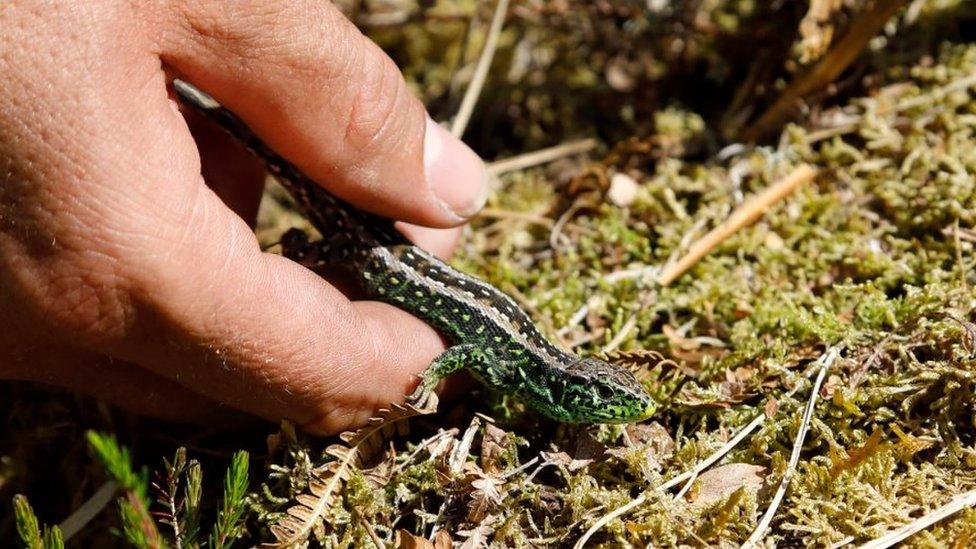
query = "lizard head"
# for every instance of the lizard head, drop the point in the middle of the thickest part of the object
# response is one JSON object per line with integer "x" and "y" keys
{"x": 591, "y": 390}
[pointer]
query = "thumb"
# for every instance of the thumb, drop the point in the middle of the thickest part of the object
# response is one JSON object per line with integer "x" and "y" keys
{"x": 328, "y": 99}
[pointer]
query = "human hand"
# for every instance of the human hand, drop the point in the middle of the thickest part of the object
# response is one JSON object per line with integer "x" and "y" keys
{"x": 128, "y": 269}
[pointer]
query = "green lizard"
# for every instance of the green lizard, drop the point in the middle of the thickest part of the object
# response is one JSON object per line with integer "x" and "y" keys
{"x": 493, "y": 338}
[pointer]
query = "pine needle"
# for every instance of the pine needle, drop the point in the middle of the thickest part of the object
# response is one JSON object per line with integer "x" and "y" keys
{"x": 88, "y": 510}
{"x": 957, "y": 504}
{"x": 689, "y": 476}
{"x": 825, "y": 362}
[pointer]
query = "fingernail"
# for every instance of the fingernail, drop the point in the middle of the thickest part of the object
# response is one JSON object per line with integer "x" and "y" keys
{"x": 456, "y": 175}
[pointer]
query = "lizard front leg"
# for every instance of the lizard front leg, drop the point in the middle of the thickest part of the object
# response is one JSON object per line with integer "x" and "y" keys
{"x": 464, "y": 355}
{"x": 314, "y": 255}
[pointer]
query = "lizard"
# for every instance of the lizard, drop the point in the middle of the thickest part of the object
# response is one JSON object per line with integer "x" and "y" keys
{"x": 492, "y": 337}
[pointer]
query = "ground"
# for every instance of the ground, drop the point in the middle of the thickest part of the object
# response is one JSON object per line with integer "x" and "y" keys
{"x": 865, "y": 272}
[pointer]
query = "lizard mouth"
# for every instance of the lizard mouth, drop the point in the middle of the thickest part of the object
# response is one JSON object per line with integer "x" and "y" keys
{"x": 648, "y": 411}
{"x": 631, "y": 416}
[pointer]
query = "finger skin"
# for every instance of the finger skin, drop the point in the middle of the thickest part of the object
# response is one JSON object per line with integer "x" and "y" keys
{"x": 440, "y": 242}
{"x": 230, "y": 170}
{"x": 130, "y": 387}
{"x": 324, "y": 96}
{"x": 111, "y": 244}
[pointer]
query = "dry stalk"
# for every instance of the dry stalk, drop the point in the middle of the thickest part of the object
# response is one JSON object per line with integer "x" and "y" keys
{"x": 825, "y": 361}
{"x": 646, "y": 299}
{"x": 854, "y": 123}
{"x": 957, "y": 504}
{"x": 528, "y": 217}
{"x": 861, "y": 31}
{"x": 480, "y": 72}
{"x": 801, "y": 435}
{"x": 744, "y": 215}
{"x": 88, "y": 510}
{"x": 541, "y": 156}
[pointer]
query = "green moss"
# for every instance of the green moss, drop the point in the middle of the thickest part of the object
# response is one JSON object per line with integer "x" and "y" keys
{"x": 876, "y": 256}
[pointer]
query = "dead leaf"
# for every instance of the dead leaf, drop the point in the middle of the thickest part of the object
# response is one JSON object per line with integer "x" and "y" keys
{"x": 442, "y": 540}
{"x": 909, "y": 445}
{"x": 855, "y": 456}
{"x": 647, "y": 433}
{"x": 713, "y": 527}
{"x": 652, "y": 440}
{"x": 486, "y": 496}
{"x": 831, "y": 385}
{"x": 380, "y": 475}
{"x": 716, "y": 484}
{"x": 677, "y": 340}
{"x": 286, "y": 436}
{"x": 477, "y": 537}
{"x": 459, "y": 455}
{"x": 361, "y": 447}
{"x": 584, "y": 447}
{"x": 494, "y": 444}
{"x": 641, "y": 361}
{"x": 738, "y": 387}
{"x": 550, "y": 500}
{"x": 562, "y": 459}
{"x": 406, "y": 540}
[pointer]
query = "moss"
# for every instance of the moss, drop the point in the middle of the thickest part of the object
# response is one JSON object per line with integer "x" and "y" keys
{"x": 876, "y": 256}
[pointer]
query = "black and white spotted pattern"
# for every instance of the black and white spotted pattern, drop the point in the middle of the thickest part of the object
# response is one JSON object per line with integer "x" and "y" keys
{"x": 505, "y": 348}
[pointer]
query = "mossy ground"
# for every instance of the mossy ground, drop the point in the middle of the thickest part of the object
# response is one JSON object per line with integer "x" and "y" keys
{"x": 875, "y": 258}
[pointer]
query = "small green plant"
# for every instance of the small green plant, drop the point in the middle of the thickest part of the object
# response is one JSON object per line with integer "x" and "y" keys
{"x": 178, "y": 493}
{"x": 181, "y": 511}
{"x": 230, "y": 517}
{"x": 31, "y": 535}
{"x": 138, "y": 526}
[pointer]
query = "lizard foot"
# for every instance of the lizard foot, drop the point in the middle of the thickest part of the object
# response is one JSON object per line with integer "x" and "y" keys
{"x": 423, "y": 398}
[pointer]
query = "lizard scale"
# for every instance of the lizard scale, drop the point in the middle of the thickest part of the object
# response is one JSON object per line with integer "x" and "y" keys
{"x": 492, "y": 336}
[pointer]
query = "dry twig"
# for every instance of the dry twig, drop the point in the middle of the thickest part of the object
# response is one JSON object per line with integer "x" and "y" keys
{"x": 528, "y": 217}
{"x": 854, "y": 122}
{"x": 541, "y": 156}
{"x": 88, "y": 510}
{"x": 801, "y": 435}
{"x": 891, "y": 538}
{"x": 480, "y": 72}
{"x": 861, "y": 31}
{"x": 825, "y": 362}
{"x": 742, "y": 216}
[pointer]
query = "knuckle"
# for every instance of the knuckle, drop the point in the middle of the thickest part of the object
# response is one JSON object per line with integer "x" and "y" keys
{"x": 377, "y": 102}
{"x": 298, "y": 39}
{"x": 345, "y": 401}
{"x": 207, "y": 22}
{"x": 242, "y": 39}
